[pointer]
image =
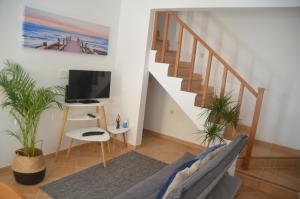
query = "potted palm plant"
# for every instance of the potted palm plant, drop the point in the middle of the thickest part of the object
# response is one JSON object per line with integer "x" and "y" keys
{"x": 220, "y": 113}
{"x": 26, "y": 102}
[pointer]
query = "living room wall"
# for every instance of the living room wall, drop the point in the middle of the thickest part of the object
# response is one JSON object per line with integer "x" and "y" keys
{"x": 50, "y": 67}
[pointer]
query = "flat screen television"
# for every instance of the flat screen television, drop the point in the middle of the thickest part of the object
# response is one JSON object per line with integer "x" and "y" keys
{"x": 87, "y": 86}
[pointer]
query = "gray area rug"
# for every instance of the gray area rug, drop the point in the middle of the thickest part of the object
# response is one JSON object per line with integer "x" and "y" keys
{"x": 97, "y": 182}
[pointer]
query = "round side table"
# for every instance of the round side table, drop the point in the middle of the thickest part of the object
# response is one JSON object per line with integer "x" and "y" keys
{"x": 120, "y": 131}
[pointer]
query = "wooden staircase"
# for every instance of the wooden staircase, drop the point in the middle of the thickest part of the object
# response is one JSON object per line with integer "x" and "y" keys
{"x": 277, "y": 181}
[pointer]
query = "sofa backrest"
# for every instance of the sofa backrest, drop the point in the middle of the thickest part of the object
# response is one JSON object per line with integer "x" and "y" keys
{"x": 203, "y": 181}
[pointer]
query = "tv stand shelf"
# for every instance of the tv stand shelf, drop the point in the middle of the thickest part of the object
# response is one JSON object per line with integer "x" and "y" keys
{"x": 100, "y": 115}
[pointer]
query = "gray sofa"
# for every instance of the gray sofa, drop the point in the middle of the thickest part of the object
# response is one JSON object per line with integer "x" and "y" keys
{"x": 211, "y": 181}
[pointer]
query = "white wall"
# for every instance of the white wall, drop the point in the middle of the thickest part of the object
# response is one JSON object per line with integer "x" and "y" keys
{"x": 47, "y": 66}
{"x": 164, "y": 116}
{"x": 263, "y": 45}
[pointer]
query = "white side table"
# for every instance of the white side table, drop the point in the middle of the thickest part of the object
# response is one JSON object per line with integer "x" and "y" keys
{"x": 77, "y": 135}
{"x": 114, "y": 132}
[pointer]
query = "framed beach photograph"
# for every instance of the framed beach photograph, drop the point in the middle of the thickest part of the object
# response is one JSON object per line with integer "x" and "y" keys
{"x": 47, "y": 31}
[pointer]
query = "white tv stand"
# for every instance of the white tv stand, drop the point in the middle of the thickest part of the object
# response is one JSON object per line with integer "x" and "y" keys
{"x": 83, "y": 117}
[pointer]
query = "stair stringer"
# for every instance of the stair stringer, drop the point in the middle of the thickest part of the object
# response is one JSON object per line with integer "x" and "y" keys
{"x": 172, "y": 85}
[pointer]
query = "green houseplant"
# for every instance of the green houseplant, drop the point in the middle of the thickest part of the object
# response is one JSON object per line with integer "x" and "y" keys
{"x": 220, "y": 113}
{"x": 26, "y": 102}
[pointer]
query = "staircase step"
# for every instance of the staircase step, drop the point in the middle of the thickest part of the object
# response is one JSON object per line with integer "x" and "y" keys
{"x": 269, "y": 187}
{"x": 267, "y": 150}
{"x": 183, "y": 71}
{"x": 196, "y": 85}
{"x": 158, "y": 45}
{"x": 271, "y": 162}
{"x": 170, "y": 57}
{"x": 208, "y": 99}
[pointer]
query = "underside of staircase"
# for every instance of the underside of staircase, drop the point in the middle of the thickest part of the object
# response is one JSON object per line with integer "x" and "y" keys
{"x": 273, "y": 170}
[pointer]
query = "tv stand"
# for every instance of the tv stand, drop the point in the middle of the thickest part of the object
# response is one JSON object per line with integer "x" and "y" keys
{"x": 88, "y": 101}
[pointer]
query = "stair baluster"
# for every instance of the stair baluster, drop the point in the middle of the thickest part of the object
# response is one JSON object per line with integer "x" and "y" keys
{"x": 194, "y": 51}
{"x": 207, "y": 75}
{"x": 178, "y": 51}
{"x": 165, "y": 37}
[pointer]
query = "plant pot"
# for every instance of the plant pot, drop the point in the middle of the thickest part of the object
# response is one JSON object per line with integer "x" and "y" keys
{"x": 29, "y": 170}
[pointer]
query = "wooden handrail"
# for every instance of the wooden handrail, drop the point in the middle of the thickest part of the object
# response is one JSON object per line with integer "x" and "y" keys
{"x": 227, "y": 68}
{"x": 218, "y": 57}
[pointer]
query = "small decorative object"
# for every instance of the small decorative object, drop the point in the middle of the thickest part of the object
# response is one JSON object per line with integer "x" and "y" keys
{"x": 125, "y": 124}
{"x": 47, "y": 31}
{"x": 118, "y": 120}
{"x": 26, "y": 102}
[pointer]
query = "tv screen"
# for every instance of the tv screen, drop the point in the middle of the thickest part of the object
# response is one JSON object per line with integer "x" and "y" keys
{"x": 85, "y": 85}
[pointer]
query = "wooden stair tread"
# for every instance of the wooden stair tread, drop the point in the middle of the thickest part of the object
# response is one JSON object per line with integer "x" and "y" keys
{"x": 287, "y": 178}
{"x": 270, "y": 189}
{"x": 266, "y": 150}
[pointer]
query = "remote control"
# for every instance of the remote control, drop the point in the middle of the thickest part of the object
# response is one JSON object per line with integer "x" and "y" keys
{"x": 91, "y": 133}
{"x": 91, "y": 115}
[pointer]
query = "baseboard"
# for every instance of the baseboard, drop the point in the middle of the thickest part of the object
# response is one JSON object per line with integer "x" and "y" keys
{"x": 50, "y": 155}
{"x": 280, "y": 147}
{"x": 173, "y": 139}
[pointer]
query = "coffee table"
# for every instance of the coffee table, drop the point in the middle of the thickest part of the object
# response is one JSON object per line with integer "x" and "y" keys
{"x": 77, "y": 135}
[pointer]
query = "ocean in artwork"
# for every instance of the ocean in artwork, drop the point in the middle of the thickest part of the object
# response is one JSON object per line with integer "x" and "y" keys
{"x": 43, "y": 30}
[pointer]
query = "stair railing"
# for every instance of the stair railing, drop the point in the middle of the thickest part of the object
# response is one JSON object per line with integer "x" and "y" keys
{"x": 258, "y": 94}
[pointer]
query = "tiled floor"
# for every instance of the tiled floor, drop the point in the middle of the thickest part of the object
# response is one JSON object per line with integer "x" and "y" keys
{"x": 89, "y": 154}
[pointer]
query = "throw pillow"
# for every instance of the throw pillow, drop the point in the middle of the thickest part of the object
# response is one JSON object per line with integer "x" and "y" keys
{"x": 209, "y": 150}
{"x": 172, "y": 176}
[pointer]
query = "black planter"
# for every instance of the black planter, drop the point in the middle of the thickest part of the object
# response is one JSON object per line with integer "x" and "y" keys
{"x": 29, "y": 178}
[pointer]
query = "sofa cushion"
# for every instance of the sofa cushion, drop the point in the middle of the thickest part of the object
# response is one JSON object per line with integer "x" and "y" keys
{"x": 178, "y": 175}
{"x": 150, "y": 187}
{"x": 198, "y": 185}
{"x": 209, "y": 150}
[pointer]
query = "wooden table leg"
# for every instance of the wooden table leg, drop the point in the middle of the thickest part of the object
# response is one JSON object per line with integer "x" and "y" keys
{"x": 62, "y": 130}
{"x": 70, "y": 146}
{"x": 103, "y": 155}
{"x": 104, "y": 117}
{"x": 108, "y": 145}
{"x": 98, "y": 120}
{"x": 124, "y": 140}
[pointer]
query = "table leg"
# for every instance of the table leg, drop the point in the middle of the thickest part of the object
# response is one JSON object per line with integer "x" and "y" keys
{"x": 104, "y": 117}
{"x": 115, "y": 141}
{"x": 70, "y": 146}
{"x": 108, "y": 145}
{"x": 98, "y": 120}
{"x": 124, "y": 140}
{"x": 62, "y": 130}
{"x": 103, "y": 155}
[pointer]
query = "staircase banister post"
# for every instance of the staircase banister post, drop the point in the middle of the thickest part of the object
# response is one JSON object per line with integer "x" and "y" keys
{"x": 253, "y": 129}
{"x": 155, "y": 30}
{"x": 178, "y": 51}
{"x": 207, "y": 75}
{"x": 165, "y": 37}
